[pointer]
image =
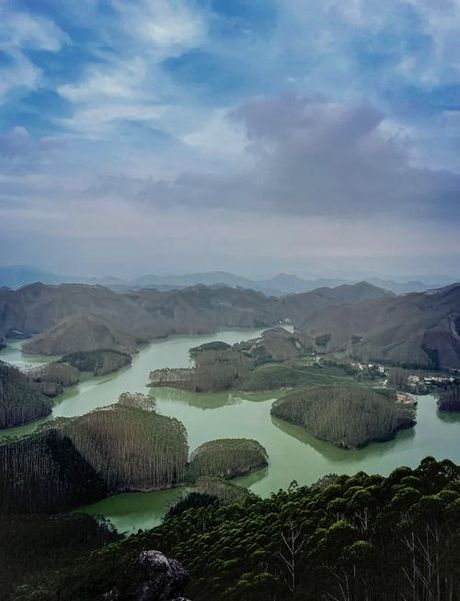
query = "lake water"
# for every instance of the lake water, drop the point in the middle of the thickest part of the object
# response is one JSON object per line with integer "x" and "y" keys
{"x": 293, "y": 454}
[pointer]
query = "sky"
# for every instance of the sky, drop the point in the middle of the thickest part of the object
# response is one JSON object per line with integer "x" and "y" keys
{"x": 255, "y": 136}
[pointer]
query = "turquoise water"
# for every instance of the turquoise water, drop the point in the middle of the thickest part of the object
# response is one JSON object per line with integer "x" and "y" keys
{"x": 293, "y": 454}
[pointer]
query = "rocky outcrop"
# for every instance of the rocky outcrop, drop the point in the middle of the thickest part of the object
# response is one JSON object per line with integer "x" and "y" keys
{"x": 155, "y": 578}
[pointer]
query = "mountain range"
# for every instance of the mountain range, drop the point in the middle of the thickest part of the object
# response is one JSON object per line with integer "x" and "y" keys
{"x": 418, "y": 329}
{"x": 76, "y": 317}
{"x": 278, "y": 285}
{"x": 412, "y": 330}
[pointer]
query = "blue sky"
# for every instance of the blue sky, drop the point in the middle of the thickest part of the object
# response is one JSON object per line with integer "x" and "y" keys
{"x": 311, "y": 136}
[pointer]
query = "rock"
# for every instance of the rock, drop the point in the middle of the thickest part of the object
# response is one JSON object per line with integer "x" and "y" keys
{"x": 164, "y": 578}
{"x": 156, "y": 577}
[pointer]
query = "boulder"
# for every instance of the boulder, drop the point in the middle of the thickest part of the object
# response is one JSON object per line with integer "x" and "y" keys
{"x": 155, "y": 578}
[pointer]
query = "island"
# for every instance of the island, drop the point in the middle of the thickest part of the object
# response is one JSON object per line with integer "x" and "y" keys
{"x": 347, "y": 416}
{"x": 98, "y": 362}
{"x": 127, "y": 446}
{"x": 227, "y": 458}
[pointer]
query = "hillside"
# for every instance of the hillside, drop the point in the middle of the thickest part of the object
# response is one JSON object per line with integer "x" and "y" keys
{"x": 415, "y": 330}
{"x": 149, "y": 313}
{"x": 80, "y": 333}
{"x": 130, "y": 448}
{"x": 35, "y": 308}
{"x": 20, "y": 401}
{"x": 385, "y": 538}
{"x": 202, "y": 309}
{"x": 76, "y": 461}
{"x": 299, "y": 307}
{"x": 54, "y": 476}
{"x": 347, "y": 416}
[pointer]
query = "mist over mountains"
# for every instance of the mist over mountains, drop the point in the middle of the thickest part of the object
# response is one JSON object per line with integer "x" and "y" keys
{"x": 278, "y": 285}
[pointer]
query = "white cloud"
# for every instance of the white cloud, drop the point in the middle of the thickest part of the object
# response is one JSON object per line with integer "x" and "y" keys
{"x": 22, "y": 30}
{"x": 218, "y": 135}
{"x": 95, "y": 120}
{"x": 129, "y": 83}
{"x": 168, "y": 27}
{"x": 116, "y": 81}
{"x": 19, "y": 32}
{"x": 19, "y": 74}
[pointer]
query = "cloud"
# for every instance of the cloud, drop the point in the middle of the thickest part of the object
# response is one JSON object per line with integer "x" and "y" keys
{"x": 22, "y": 153}
{"x": 286, "y": 128}
{"x": 167, "y": 27}
{"x": 107, "y": 81}
{"x": 19, "y": 33}
{"x": 310, "y": 156}
{"x": 22, "y": 30}
{"x": 129, "y": 82}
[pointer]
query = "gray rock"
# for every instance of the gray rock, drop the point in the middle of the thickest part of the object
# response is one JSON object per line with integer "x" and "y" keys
{"x": 156, "y": 578}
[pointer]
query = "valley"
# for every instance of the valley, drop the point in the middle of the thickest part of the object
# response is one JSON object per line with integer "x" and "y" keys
{"x": 293, "y": 453}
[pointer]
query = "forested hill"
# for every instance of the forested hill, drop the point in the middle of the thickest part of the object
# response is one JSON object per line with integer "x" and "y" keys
{"x": 418, "y": 329}
{"x": 73, "y": 311}
{"x": 414, "y": 330}
{"x": 359, "y": 538}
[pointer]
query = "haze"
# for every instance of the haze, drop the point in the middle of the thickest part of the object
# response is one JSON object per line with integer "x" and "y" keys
{"x": 273, "y": 135}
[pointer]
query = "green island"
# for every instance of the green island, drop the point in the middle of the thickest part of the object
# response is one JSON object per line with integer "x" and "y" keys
{"x": 127, "y": 446}
{"x": 347, "y": 416}
{"x": 98, "y": 362}
{"x": 227, "y": 458}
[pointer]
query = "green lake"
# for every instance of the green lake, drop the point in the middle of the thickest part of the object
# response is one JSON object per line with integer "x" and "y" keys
{"x": 293, "y": 454}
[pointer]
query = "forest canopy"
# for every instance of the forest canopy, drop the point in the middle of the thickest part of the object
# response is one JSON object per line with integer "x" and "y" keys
{"x": 347, "y": 416}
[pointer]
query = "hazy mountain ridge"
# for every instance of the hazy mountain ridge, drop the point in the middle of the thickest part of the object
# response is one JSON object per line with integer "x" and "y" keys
{"x": 278, "y": 285}
{"x": 59, "y": 313}
{"x": 414, "y": 329}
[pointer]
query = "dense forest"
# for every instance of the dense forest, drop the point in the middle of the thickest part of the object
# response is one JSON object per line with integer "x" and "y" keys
{"x": 98, "y": 362}
{"x": 348, "y": 416}
{"x": 31, "y": 544}
{"x": 44, "y": 472}
{"x": 72, "y": 462}
{"x": 126, "y": 446}
{"x": 222, "y": 490}
{"x": 449, "y": 399}
{"x": 358, "y": 538}
{"x": 51, "y": 379}
{"x": 227, "y": 458}
{"x": 130, "y": 448}
{"x": 20, "y": 402}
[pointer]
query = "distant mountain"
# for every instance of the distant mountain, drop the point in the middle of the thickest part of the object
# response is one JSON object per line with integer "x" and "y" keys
{"x": 416, "y": 330}
{"x": 75, "y": 317}
{"x": 400, "y": 287}
{"x": 81, "y": 332}
{"x": 278, "y": 285}
{"x": 20, "y": 275}
{"x": 299, "y": 307}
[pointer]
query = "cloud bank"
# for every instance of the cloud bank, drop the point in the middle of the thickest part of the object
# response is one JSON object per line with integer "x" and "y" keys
{"x": 251, "y": 136}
